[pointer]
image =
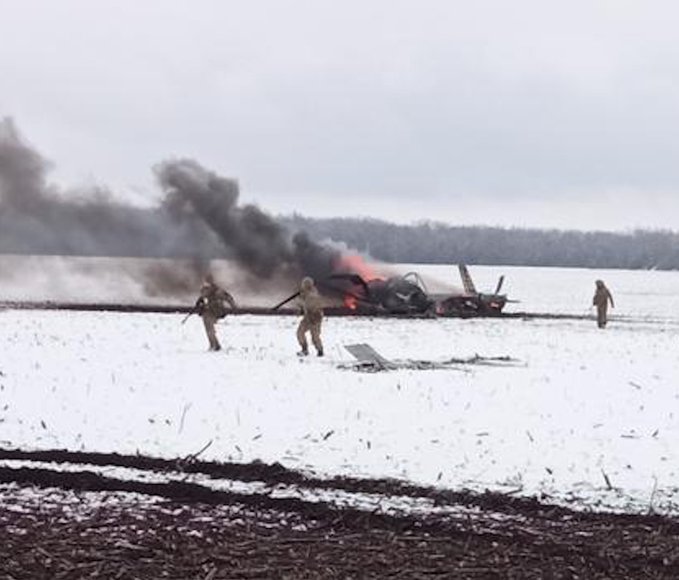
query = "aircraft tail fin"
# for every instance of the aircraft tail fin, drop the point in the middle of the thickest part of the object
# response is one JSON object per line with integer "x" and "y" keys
{"x": 467, "y": 281}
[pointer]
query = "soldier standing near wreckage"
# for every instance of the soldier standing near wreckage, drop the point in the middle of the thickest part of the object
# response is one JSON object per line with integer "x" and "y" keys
{"x": 210, "y": 305}
{"x": 312, "y": 317}
{"x": 602, "y": 297}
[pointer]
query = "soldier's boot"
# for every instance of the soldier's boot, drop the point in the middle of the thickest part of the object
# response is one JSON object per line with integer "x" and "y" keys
{"x": 304, "y": 351}
{"x": 316, "y": 339}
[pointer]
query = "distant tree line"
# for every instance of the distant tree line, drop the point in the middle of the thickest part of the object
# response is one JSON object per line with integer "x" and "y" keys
{"x": 430, "y": 243}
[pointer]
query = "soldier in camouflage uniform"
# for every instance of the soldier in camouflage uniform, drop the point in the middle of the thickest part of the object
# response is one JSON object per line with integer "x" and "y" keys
{"x": 312, "y": 317}
{"x": 602, "y": 297}
{"x": 210, "y": 305}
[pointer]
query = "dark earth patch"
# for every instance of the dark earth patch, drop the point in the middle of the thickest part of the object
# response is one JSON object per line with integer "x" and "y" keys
{"x": 69, "y": 525}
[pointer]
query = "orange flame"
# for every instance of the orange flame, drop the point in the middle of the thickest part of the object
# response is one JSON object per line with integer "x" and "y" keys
{"x": 356, "y": 264}
{"x": 350, "y": 302}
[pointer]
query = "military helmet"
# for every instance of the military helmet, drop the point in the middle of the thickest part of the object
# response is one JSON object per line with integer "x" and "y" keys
{"x": 307, "y": 283}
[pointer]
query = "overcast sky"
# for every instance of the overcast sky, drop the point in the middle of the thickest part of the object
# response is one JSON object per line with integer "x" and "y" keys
{"x": 524, "y": 112}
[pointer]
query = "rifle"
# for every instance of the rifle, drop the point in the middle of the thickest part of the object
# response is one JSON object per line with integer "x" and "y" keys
{"x": 193, "y": 310}
{"x": 292, "y": 297}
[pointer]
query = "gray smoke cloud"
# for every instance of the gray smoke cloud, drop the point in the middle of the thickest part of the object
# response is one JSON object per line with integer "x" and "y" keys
{"x": 199, "y": 218}
{"x": 38, "y": 218}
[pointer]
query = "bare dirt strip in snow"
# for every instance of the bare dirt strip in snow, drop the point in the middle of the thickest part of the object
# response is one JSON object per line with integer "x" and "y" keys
{"x": 133, "y": 517}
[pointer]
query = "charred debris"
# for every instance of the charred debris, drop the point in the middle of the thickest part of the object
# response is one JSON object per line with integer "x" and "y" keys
{"x": 368, "y": 360}
{"x": 408, "y": 295}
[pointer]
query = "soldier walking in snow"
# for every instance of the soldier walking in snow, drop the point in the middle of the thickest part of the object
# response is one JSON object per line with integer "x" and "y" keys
{"x": 210, "y": 305}
{"x": 602, "y": 297}
{"x": 312, "y": 317}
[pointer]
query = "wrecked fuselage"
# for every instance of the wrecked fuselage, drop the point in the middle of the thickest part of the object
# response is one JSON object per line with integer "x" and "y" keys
{"x": 408, "y": 295}
{"x": 395, "y": 294}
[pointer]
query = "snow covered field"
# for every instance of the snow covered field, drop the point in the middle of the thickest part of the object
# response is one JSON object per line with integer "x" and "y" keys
{"x": 584, "y": 407}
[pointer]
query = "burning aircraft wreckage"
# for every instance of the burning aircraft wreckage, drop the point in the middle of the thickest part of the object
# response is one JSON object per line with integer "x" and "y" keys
{"x": 200, "y": 217}
{"x": 363, "y": 292}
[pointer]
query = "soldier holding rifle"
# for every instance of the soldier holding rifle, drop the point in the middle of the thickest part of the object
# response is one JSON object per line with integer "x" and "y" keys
{"x": 312, "y": 316}
{"x": 210, "y": 306}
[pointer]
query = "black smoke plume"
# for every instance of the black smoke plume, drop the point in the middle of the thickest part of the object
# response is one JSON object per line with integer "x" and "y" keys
{"x": 199, "y": 218}
{"x": 255, "y": 239}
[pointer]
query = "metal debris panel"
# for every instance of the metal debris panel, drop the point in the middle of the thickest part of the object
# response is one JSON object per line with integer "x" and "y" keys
{"x": 365, "y": 353}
